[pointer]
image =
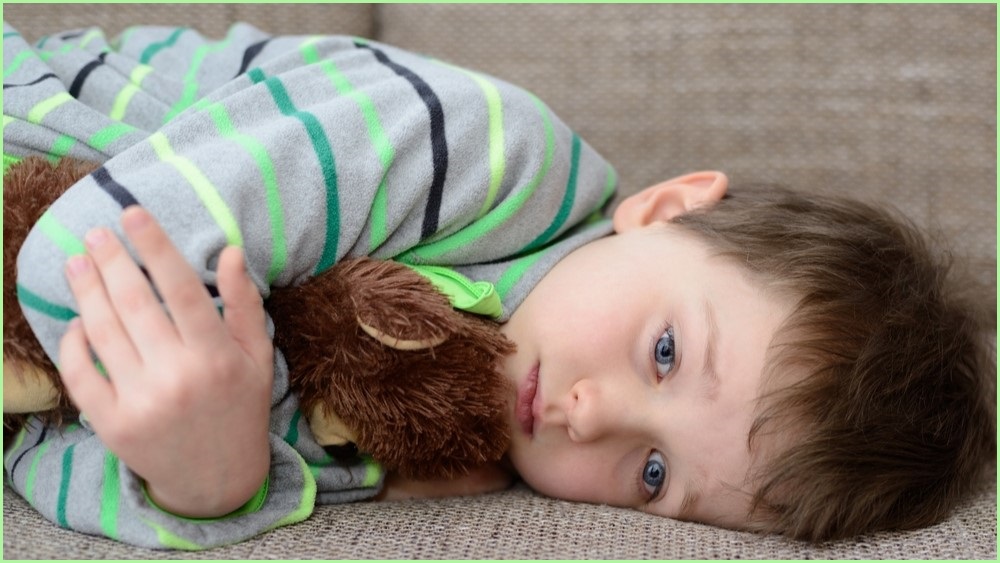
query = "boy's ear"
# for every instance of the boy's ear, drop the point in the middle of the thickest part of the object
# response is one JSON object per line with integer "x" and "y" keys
{"x": 666, "y": 200}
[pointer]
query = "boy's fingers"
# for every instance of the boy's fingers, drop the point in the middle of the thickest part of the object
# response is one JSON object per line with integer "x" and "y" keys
{"x": 182, "y": 290}
{"x": 101, "y": 324}
{"x": 138, "y": 309}
{"x": 244, "y": 310}
{"x": 87, "y": 388}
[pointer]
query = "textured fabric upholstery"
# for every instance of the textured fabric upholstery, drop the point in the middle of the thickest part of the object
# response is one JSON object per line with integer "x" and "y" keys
{"x": 892, "y": 103}
{"x": 886, "y": 102}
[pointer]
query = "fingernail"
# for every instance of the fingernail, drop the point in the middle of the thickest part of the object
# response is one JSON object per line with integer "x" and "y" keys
{"x": 77, "y": 265}
{"x": 96, "y": 237}
{"x": 135, "y": 219}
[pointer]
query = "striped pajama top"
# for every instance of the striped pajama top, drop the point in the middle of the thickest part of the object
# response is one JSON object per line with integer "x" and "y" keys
{"x": 303, "y": 150}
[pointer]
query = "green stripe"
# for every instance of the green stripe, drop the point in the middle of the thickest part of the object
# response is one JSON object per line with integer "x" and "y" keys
{"x": 123, "y": 98}
{"x": 17, "y": 62}
{"x": 17, "y": 444}
{"x": 317, "y": 466}
{"x": 279, "y": 250}
{"x": 567, "y": 203}
{"x": 90, "y": 36}
{"x": 498, "y": 158}
{"x": 609, "y": 191}
{"x": 191, "y": 77}
{"x": 324, "y": 154}
{"x": 255, "y": 503}
{"x": 60, "y": 235}
{"x": 209, "y": 196}
{"x": 67, "y": 476}
{"x": 42, "y": 109}
{"x": 293, "y": 429}
{"x": 609, "y": 186}
{"x": 8, "y": 161}
{"x": 306, "y": 501}
{"x": 29, "y": 482}
{"x": 108, "y": 135}
{"x": 512, "y": 275}
{"x": 376, "y": 134}
{"x": 170, "y": 540}
{"x": 60, "y": 147}
{"x": 124, "y": 37}
{"x": 32, "y": 301}
{"x": 202, "y": 104}
{"x": 497, "y": 216}
{"x": 11, "y": 34}
{"x": 62, "y": 51}
{"x": 154, "y": 48}
{"x": 110, "y": 496}
{"x": 373, "y": 472}
{"x": 379, "y": 216}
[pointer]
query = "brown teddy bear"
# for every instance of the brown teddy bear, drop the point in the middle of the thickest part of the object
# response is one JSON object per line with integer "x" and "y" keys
{"x": 376, "y": 354}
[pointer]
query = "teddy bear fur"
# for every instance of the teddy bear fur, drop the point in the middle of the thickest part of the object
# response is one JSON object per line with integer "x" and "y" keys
{"x": 432, "y": 405}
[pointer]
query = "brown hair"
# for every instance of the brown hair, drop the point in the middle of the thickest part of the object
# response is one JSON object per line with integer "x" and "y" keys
{"x": 882, "y": 373}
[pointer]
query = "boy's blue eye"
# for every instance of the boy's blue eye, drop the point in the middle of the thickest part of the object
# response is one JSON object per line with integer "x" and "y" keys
{"x": 654, "y": 474}
{"x": 663, "y": 352}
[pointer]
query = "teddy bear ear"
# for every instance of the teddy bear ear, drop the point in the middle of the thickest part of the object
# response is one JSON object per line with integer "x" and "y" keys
{"x": 400, "y": 343}
{"x": 397, "y": 306}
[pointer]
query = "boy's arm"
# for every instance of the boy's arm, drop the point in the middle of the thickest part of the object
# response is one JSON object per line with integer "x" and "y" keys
{"x": 73, "y": 480}
{"x": 187, "y": 442}
{"x": 191, "y": 387}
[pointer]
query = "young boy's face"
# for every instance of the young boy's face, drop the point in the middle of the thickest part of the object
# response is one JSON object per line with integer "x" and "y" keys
{"x": 639, "y": 358}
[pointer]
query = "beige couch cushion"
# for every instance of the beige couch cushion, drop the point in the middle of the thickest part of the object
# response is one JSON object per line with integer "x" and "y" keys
{"x": 516, "y": 524}
{"x": 212, "y": 20}
{"x": 892, "y": 102}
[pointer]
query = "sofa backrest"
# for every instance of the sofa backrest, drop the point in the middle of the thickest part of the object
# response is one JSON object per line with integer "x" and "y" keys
{"x": 885, "y": 102}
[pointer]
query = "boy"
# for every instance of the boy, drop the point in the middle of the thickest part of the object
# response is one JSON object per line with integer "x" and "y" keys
{"x": 688, "y": 342}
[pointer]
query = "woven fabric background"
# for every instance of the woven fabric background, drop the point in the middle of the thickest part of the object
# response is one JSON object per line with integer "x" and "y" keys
{"x": 211, "y": 20}
{"x": 886, "y": 102}
{"x": 516, "y": 524}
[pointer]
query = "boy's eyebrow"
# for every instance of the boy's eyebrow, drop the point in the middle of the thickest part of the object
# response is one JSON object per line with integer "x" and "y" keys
{"x": 708, "y": 372}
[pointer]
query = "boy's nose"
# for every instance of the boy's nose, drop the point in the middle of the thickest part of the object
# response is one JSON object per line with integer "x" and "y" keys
{"x": 592, "y": 413}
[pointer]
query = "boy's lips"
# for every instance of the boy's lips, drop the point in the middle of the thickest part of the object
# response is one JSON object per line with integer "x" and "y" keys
{"x": 524, "y": 408}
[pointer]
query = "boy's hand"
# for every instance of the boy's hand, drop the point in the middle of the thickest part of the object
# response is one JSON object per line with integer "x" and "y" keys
{"x": 187, "y": 398}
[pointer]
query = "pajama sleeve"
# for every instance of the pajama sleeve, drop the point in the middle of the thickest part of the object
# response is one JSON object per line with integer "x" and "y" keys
{"x": 303, "y": 151}
{"x": 73, "y": 480}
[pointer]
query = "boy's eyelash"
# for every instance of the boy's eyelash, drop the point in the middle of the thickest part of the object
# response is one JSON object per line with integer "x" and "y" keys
{"x": 661, "y": 328}
{"x": 647, "y": 500}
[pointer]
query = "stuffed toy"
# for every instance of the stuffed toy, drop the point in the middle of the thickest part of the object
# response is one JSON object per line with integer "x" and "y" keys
{"x": 380, "y": 360}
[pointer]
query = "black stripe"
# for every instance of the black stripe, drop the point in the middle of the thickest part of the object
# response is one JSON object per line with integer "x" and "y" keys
{"x": 72, "y": 35}
{"x": 114, "y": 189}
{"x": 32, "y": 83}
{"x": 41, "y": 438}
{"x": 439, "y": 143}
{"x": 251, "y": 53}
{"x": 81, "y": 76}
{"x": 212, "y": 290}
{"x": 125, "y": 198}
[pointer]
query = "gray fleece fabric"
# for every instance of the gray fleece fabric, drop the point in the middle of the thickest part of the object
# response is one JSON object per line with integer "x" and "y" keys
{"x": 304, "y": 151}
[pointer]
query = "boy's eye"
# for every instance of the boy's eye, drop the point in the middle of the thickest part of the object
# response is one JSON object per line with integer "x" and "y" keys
{"x": 654, "y": 474}
{"x": 663, "y": 352}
